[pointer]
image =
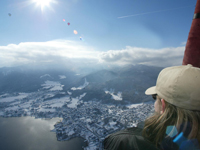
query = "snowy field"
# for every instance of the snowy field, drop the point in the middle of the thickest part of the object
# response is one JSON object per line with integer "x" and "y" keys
{"x": 91, "y": 120}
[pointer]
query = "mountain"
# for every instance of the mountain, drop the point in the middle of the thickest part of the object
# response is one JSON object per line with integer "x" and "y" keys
{"x": 22, "y": 79}
{"x": 121, "y": 85}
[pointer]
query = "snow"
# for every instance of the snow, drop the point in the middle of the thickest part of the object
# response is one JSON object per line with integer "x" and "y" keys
{"x": 74, "y": 103}
{"x": 88, "y": 120}
{"x": 57, "y": 102}
{"x": 133, "y": 125}
{"x": 57, "y": 105}
{"x": 108, "y": 92}
{"x": 62, "y": 76}
{"x": 109, "y": 111}
{"x": 26, "y": 104}
{"x": 82, "y": 118}
{"x": 46, "y": 110}
{"x": 52, "y": 85}
{"x": 112, "y": 123}
{"x": 46, "y": 75}
{"x": 77, "y": 121}
{"x": 138, "y": 104}
{"x": 81, "y": 87}
{"x": 13, "y": 98}
{"x": 134, "y": 105}
{"x": 69, "y": 92}
{"x": 15, "y": 103}
{"x": 81, "y": 96}
{"x": 12, "y": 108}
{"x": 70, "y": 133}
{"x": 49, "y": 95}
{"x": 6, "y": 94}
{"x": 57, "y": 88}
{"x": 117, "y": 97}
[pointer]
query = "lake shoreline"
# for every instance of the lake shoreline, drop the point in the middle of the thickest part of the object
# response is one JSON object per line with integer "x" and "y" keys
{"x": 34, "y": 133}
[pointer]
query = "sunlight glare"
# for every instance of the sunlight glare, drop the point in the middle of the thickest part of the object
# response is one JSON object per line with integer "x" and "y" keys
{"x": 43, "y": 3}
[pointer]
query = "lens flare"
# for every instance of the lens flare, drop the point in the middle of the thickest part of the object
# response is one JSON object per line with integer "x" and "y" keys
{"x": 75, "y": 32}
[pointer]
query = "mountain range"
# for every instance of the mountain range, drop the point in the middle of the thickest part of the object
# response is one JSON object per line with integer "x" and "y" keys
{"x": 128, "y": 83}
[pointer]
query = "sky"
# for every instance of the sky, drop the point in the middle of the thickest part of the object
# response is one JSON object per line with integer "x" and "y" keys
{"x": 100, "y": 33}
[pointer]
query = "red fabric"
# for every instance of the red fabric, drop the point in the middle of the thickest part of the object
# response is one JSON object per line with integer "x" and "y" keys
{"x": 197, "y": 9}
{"x": 192, "y": 50}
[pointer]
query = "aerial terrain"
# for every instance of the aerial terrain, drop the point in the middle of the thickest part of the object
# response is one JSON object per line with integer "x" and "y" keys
{"x": 92, "y": 105}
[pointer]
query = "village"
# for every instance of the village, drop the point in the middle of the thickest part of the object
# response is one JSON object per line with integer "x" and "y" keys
{"x": 91, "y": 120}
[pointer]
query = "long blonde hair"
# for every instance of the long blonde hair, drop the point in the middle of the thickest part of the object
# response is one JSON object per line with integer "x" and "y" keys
{"x": 156, "y": 125}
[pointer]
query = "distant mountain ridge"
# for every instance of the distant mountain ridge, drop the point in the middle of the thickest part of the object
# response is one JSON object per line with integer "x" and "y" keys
{"x": 132, "y": 81}
{"x": 19, "y": 79}
{"x": 129, "y": 82}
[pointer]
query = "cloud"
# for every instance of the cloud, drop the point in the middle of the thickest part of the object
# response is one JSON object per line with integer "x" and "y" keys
{"x": 183, "y": 43}
{"x": 78, "y": 54}
{"x": 45, "y": 52}
{"x": 134, "y": 55}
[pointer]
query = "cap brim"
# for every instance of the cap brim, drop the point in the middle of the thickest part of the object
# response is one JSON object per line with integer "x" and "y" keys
{"x": 151, "y": 90}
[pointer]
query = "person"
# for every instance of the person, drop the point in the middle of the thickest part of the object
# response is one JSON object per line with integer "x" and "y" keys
{"x": 175, "y": 123}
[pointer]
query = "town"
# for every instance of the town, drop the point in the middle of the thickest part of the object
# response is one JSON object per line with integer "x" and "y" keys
{"x": 91, "y": 120}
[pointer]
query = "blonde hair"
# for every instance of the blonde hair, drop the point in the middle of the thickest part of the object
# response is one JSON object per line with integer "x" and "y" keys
{"x": 156, "y": 125}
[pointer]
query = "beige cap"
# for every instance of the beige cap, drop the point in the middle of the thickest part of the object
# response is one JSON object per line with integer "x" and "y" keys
{"x": 179, "y": 85}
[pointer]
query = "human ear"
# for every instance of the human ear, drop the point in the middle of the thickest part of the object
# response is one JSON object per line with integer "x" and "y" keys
{"x": 163, "y": 106}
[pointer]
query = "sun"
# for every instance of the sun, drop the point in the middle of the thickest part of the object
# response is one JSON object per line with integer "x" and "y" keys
{"x": 43, "y": 3}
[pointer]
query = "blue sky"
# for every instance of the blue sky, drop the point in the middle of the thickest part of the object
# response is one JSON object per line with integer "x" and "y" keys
{"x": 151, "y": 32}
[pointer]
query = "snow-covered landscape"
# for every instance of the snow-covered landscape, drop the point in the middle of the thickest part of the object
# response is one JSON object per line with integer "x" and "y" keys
{"x": 87, "y": 63}
{"x": 90, "y": 120}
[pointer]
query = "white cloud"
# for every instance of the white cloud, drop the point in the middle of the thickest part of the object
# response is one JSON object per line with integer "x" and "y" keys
{"x": 79, "y": 54}
{"x": 134, "y": 55}
{"x": 41, "y": 52}
{"x": 183, "y": 43}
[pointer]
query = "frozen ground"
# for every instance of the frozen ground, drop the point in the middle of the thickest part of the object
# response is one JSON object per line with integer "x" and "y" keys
{"x": 91, "y": 120}
{"x": 81, "y": 86}
{"x": 117, "y": 97}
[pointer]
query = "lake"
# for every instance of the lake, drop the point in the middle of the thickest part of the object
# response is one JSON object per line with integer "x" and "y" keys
{"x": 28, "y": 133}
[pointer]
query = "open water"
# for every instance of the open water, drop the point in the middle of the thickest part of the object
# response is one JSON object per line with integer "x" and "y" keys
{"x": 28, "y": 133}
